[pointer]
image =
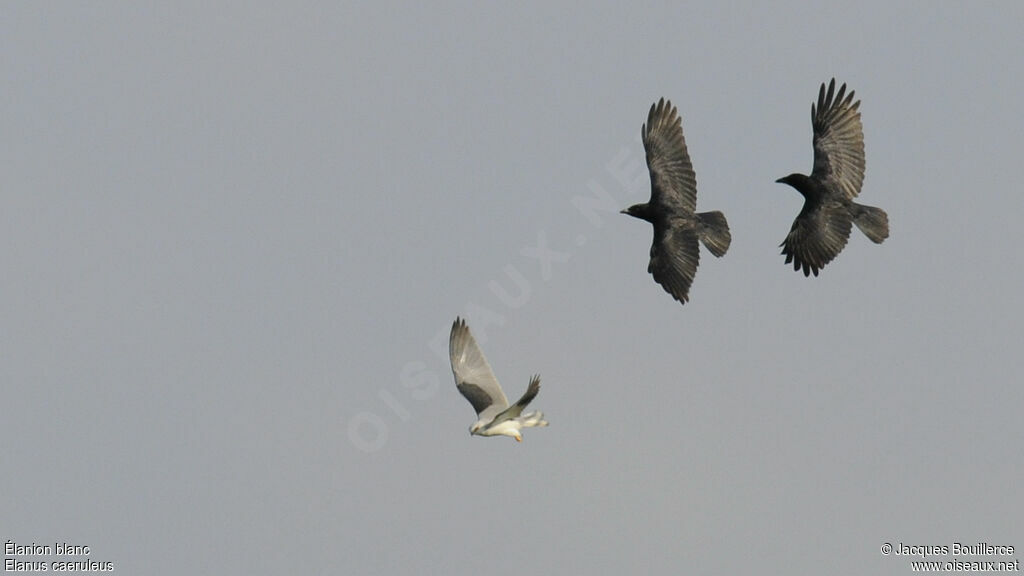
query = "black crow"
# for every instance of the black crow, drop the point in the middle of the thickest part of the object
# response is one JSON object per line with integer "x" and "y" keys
{"x": 673, "y": 204}
{"x": 822, "y": 228}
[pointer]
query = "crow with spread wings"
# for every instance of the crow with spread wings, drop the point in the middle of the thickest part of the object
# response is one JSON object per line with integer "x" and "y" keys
{"x": 822, "y": 228}
{"x": 672, "y": 209}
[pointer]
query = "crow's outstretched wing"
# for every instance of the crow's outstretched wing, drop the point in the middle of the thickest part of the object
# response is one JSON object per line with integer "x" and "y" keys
{"x": 818, "y": 235}
{"x": 838, "y": 142}
{"x": 674, "y": 259}
{"x": 673, "y": 183}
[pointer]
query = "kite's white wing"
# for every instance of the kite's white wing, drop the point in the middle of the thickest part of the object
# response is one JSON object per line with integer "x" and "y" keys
{"x": 473, "y": 375}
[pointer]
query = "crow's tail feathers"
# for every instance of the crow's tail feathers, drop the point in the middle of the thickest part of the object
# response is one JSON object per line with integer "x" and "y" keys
{"x": 873, "y": 222}
{"x": 714, "y": 232}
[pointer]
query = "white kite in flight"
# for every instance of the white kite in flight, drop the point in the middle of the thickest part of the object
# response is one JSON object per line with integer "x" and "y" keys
{"x": 476, "y": 381}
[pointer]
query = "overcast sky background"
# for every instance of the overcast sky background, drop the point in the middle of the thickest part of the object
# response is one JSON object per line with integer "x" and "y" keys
{"x": 235, "y": 237}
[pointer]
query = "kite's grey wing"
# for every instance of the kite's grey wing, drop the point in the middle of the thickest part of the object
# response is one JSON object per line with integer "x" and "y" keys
{"x": 674, "y": 259}
{"x": 838, "y": 141}
{"x": 515, "y": 410}
{"x": 817, "y": 236}
{"x": 473, "y": 375}
{"x": 673, "y": 183}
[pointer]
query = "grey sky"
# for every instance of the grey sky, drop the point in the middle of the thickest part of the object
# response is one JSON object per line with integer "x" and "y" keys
{"x": 235, "y": 237}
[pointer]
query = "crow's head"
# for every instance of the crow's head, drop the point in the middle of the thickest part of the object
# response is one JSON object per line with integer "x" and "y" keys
{"x": 641, "y": 211}
{"x": 799, "y": 181}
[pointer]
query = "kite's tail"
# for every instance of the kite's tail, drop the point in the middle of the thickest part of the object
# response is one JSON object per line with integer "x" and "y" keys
{"x": 535, "y": 418}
